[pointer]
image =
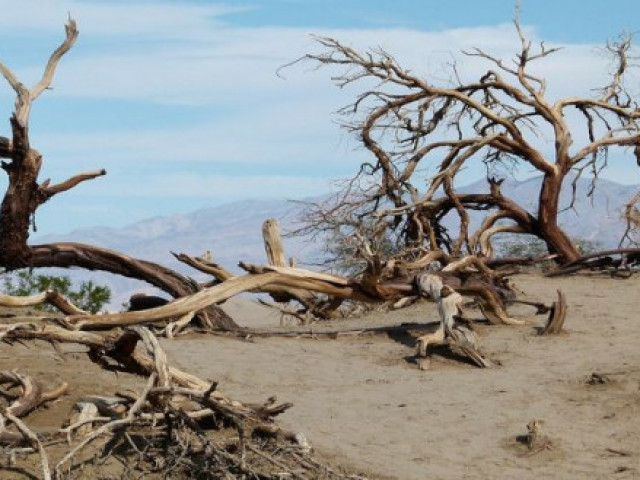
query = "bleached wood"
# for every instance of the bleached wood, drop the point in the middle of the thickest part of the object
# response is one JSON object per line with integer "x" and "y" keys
{"x": 273, "y": 243}
{"x": 50, "y": 296}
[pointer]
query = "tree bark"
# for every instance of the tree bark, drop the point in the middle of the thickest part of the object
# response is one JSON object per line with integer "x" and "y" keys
{"x": 64, "y": 255}
{"x": 557, "y": 241}
{"x": 273, "y": 243}
{"x": 20, "y": 201}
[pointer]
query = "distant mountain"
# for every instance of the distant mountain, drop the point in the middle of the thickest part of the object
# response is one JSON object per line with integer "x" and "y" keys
{"x": 233, "y": 231}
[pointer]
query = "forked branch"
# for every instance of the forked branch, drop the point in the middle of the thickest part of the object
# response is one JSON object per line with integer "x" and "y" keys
{"x": 24, "y": 96}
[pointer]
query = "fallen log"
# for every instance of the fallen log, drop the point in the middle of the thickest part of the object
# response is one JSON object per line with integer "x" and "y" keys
{"x": 629, "y": 257}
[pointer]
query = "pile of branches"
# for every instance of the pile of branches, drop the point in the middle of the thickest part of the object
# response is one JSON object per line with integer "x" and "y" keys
{"x": 319, "y": 295}
{"x": 622, "y": 262}
{"x": 178, "y": 426}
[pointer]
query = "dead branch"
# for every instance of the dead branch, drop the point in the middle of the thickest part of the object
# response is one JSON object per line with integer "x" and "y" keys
{"x": 49, "y": 191}
{"x": 109, "y": 427}
{"x": 604, "y": 260}
{"x": 31, "y": 439}
{"x": 24, "y": 96}
{"x": 25, "y": 194}
{"x": 557, "y": 316}
{"x": 50, "y": 297}
{"x": 631, "y": 212}
{"x": 450, "y": 331}
{"x": 32, "y": 394}
{"x": 273, "y": 243}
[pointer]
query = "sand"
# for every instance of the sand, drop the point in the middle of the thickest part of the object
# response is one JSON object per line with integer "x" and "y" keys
{"x": 362, "y": 402}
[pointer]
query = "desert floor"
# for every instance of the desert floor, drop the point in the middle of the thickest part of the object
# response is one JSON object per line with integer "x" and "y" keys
{"x": 362, "y": 402}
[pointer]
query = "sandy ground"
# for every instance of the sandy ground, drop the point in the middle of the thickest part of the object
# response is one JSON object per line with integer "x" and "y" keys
{"x": 362, "y": 402}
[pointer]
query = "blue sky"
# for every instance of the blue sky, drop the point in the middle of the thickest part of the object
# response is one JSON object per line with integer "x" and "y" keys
{"x": 180, "y": 102}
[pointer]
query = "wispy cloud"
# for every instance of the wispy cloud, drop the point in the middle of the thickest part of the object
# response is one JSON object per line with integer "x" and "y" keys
{"x": 142, "y": 20}
{"x": 238, "y": 126}
{"x": 217, "y": 187}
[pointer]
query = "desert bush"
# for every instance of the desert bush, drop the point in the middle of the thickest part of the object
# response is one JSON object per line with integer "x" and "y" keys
{"x": 522, "y": 246}
{"x": 87, "y": 295}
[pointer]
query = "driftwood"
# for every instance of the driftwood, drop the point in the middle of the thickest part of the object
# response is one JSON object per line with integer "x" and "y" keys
{"x": 273, "y": 243}
{"x": 50, "y": 296}
{"x": 31, "y": 395}
{"x": 468, "y": 276}
{"x": 312, "y": 306}
{"x": 382, "y": 281}
{"x": 389, "y": 281}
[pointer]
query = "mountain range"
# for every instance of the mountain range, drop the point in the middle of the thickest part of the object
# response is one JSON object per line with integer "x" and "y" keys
{"x": 232, "y": 232}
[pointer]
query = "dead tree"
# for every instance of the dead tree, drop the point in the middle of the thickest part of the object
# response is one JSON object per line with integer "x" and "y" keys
{"x": 408, "y": 122}
{"x": 25, "y": 193}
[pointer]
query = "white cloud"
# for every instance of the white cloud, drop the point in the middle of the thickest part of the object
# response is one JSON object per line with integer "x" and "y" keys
{"x": 266, "y": 117}
{"x": 211, "y": 186}
{"x": 234, "y": 110}
{"x": 224, "y": 186}
{"x": 270, "y": 136}
{"x": 158, "y": 19}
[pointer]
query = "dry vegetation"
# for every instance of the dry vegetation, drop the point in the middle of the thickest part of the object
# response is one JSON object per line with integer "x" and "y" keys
{"x": 175, "y": 424}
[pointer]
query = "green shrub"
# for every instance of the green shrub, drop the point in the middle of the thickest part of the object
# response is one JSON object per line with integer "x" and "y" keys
{"x": 88, "y": 296}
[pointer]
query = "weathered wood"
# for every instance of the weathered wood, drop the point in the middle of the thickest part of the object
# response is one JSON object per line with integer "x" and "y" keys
{"x": 24, "y": 195}
{"x": 67, "y": 254}
{"x": 557, "y": 316}
{"x": 458, "y": 337}
{"x": 276, "y": 257}
{"x": 273, "y": 243}
{"x": 602, "y": 259}
{"x": 32, "y": 393}
{"x": 50, "y": 296}
{"x": 298, "y": 273}
{"x": 210, "y": 296}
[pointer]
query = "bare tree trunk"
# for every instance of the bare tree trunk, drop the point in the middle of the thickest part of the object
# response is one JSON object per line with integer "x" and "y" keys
{"x": 20, "y": 201}
{"x": 557, "y": 241}
{"x": 24, "y": 195}
{"x": 273, "y": 243}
